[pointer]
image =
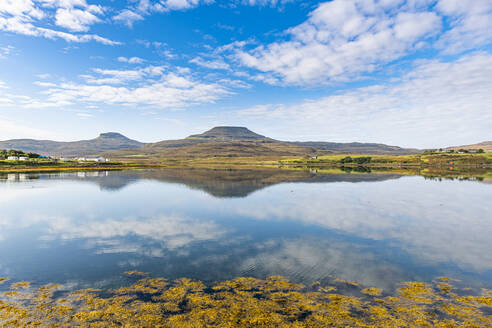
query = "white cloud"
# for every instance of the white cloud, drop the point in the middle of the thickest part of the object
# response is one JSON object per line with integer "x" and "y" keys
{"x": 128, "y": 17}
{"x": 436, "y": 104}
{"x": 148, "y": 86}
{"x": 342, "y": 40}
{"x": 166, "y": 5}
{"x": 5, "y": 51}
{"x": 44, "y": 84}
{"x": 44, "y": 76}
{"x": 123, "y": 76}
{"x": 212, "y": 64}
{"x": 270, "y": 3}
{"x": 25, "y": 8}
{"x": 27, "y": 17}
{"x": 471, "y": 23}
{"x": 132, "y": 60}
{"x": 84, "y": 115}
{"x": 75, "y": 19}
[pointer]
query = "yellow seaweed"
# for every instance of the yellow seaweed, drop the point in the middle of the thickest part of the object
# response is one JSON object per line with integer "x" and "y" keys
{"x": 244, "y": 302}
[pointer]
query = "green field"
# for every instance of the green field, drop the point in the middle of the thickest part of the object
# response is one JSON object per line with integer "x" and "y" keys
{"x": 347, "y": 162}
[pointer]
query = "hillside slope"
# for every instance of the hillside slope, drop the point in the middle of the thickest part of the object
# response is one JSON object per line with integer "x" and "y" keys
{"x": 229, "y": 141}
{"x": 221, "y": 141}
{"x": 358, "y": 148}
{"x": 105, "y": 142}
{"x": 486, "y": 146}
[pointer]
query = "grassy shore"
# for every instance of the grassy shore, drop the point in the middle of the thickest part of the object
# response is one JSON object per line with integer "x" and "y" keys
{"x": 422, "y": 161}
{"x": 389, "y": 161}
{"x": 45, "y": 165}
{"x": 416, "y": 162}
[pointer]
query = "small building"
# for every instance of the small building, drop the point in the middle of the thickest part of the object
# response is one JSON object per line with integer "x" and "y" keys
{"x": 92, "y": 159}
{"x": 24, "y": 158}
{"x": 13, "y": 158}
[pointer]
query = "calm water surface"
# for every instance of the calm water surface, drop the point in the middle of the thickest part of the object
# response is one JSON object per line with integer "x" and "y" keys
{"x": 86, "y": 229}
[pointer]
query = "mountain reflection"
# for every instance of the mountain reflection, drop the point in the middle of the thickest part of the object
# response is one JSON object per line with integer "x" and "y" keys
{"x": 221, "y": 183}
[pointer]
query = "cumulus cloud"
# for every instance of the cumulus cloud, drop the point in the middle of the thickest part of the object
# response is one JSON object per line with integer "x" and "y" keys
{"x": 341, "y": 40}
{"x": 75, "y": 19}
{"x": 28, "y": 17}
{"x": 470, "y": 24}
{"x": 148, "y": 86}
{"x": 434, "y": 104}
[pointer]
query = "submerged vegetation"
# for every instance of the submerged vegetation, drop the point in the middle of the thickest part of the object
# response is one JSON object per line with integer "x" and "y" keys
{"x": 245, "y": 302}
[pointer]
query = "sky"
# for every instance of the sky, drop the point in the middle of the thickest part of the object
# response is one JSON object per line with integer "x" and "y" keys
{"x": 412, "y": 73}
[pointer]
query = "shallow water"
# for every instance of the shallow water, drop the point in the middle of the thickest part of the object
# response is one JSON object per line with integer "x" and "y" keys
{"x": 86, "y": 229}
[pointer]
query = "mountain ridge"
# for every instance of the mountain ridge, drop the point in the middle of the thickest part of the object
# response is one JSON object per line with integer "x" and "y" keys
{"x": 227, "y": 141}
{"x": 485, "y": 145}
{"x": 104, "y": 142}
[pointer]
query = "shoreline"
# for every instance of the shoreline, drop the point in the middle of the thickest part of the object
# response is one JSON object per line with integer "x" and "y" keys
{"x": 412, "y": 162}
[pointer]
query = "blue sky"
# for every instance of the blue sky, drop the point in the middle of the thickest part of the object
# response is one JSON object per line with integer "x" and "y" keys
{"x": 415, "y": 73}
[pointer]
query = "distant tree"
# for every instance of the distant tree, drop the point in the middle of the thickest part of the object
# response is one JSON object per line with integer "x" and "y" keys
{"x": 347, "y": 159}
{"x": 33, "y": 155}
{"x": 463, "y": 150}
{"x": 362, "y": 160}
{"x": 480, "y": 151}
{"x": 13, "y": 152}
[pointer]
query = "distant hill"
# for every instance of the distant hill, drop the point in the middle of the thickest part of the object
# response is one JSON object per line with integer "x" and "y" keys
{"x": 221, "y": 141}
{"x": 358, "y": 148}
{"x": 230, "y": 141}
{"x": 105, "y": 142}
{"x": 228, "y": 133}
{"x": 486, "y": 146}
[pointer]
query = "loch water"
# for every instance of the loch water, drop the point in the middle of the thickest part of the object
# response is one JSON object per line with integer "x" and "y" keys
{"x": 84, "y": 229}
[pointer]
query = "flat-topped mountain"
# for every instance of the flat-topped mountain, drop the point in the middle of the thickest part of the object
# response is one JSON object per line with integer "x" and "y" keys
{"x": 228, "y": 133}
{"x": 105, "y": 142}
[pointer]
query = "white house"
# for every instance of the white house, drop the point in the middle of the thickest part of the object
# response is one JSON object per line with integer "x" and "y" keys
{"x": 24, "y": 158}
{"x": 92, "y": 159}
{"x": 13, "y": 158}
